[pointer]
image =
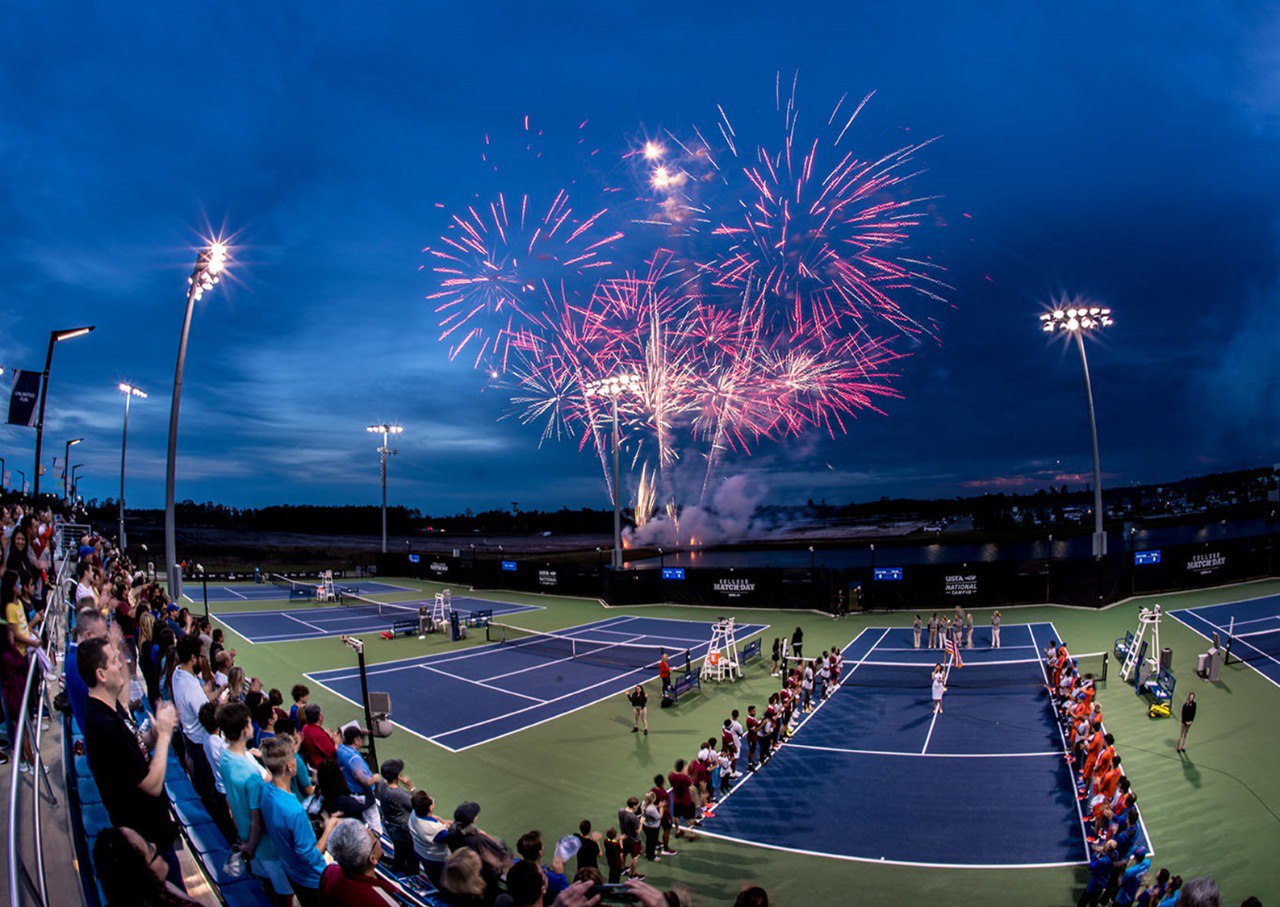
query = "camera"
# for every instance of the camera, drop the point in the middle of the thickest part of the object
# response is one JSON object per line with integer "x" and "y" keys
{"x": 613, "y": 894}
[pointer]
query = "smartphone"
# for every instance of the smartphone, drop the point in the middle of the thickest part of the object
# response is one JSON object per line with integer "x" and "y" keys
{"x": 613, "y": 894}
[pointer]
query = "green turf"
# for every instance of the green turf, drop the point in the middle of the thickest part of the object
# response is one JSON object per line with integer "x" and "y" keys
{"x": 1213, "y": 812}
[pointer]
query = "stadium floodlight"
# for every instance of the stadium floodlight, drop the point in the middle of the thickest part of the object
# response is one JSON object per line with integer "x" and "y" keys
{"x": 66, "y": 458}
{"x": 614, "y": 386}
{"x": 384, "y": 429}
{"x": 211, "y": 264}
{"x": 129, "y": 392}
{"x": 1077, "y": 318}
{"x": 55, "y": 337}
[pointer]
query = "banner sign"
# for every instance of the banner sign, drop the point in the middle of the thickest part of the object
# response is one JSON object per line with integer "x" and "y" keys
{"x": 23, "y": 398}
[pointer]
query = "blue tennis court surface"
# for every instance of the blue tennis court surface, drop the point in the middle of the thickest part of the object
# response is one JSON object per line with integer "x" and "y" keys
{"x": 872, "y": 775}
{"x": 1255, "y": 623}
{"x": 463, "y": 699}
{"x": 293, "y": 624}
{"x": 268, "y": 592}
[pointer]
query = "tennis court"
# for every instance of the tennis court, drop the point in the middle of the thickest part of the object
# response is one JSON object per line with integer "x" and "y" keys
{"x": 873, "y": 775}
{"x": 463, "y": 699}
{"x": 1252, "y": 626}
{"x": 351, "y": 617}
{"x": 262, "y": 592}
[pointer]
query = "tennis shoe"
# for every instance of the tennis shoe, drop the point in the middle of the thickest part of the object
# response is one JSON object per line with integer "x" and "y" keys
{"x": 668, "y": 852}
{"x": 635, "y": 730}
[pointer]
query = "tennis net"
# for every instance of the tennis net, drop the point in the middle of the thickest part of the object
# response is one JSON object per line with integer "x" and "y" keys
{"x": 555, "y": 646}
{"x": 974, "y": 675}
{"x": 1260, "y": 645}
{"x": 307, "y": 589}
{"x": 389, "y": 610}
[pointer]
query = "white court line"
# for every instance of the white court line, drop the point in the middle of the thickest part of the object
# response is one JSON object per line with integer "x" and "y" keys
{"x": 922, "y": 664}
{"x": 243, "y": 598}
{"x": 479, "y": 683}
{"x": 304, "y": 623}
{"x": 836, "y": 749}
{"x": 946, "y": 675}
{"x": 358, "y": 705}
{"x": 1256, "y": 620}
{"x": 1191, "y": 613}
{"x": 927, "y": 649}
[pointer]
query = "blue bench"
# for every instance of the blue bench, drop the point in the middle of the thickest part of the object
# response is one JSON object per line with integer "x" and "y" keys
{"x": 1160, "y": 686}
{"x": 684, "y": 683}
{"x": 753, "y": 649}
{"x": 405, "y": 626}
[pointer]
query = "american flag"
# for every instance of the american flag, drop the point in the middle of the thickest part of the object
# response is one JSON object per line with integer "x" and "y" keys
{"x": 953, "y": 650}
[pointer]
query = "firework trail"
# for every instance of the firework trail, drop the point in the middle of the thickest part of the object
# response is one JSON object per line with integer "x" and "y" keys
{"x": 770, "y": 305}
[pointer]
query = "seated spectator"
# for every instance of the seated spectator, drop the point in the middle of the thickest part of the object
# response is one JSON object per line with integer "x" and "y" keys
{"x": 130, "y": 782}
{"x": 462, "y": 883}
{"x": 526, "y": 886}
{"x": 290, "y": 829}
{"x": 352, "y": 880}
{"x": 429, "y": 833}
{"x": 494, "y": 857}
{"x": 359, "y": 777}
{"x": 336, "y": 796}
{"x": 132, "y": 872}
{"x": 316, "y": 744}
{"x": 395, "y": 799}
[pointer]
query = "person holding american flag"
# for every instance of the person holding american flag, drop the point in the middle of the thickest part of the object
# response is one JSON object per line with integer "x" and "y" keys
{"x": 952, "y": 643}
{"x": 939, "y": 687}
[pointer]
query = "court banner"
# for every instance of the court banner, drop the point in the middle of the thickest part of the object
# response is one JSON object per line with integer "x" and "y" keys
{"x": 23, "y": 397}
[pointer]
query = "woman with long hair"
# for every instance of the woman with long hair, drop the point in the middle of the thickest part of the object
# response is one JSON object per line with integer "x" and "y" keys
{"x": 461, "y": 884}
{"x": 236, "y": 686}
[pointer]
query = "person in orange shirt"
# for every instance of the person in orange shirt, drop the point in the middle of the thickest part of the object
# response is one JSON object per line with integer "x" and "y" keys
{"x": 1092, "y": 749}
{"x": 664, "y": 671}
{"x": 1105, "y": 760}
{"x": 1108, "y": 781}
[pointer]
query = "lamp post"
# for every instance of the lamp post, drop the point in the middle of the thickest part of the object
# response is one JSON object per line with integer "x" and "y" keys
{"x": 66, "y": 458}
{"x": 613, "y": 387}
{"x": 383, "y": 451}
{"x": 204, "y": 580}
{"x": 210, "y": 263}
{"x": 75, "y": 481}
{"x": 129, "y": 392}
{"x": 1076, "y": 319}
{"x": 55, "y": 337}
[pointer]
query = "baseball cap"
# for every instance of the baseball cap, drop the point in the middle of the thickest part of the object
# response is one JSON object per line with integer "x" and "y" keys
{"x": 466, "y": 813}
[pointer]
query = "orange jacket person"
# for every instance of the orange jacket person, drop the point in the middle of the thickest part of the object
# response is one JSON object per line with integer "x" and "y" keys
{"x": 664, "y": 671}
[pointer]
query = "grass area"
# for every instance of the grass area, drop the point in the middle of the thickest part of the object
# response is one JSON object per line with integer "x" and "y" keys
{"x": 1215, "y": 812}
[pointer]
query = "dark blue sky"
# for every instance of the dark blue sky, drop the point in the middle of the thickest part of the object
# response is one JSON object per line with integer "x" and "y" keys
{"x": 1127, "y": 152}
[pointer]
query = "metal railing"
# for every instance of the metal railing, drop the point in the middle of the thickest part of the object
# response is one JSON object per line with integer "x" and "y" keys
{"x": 53, "y": 633}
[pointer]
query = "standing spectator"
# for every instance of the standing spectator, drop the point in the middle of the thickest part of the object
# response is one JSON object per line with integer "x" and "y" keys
{"x": 629, "y": 825}
{"x": 995, "y": 629}
{"x": 588, "y": 846}
{"x": 1101, "y": 866}
{"x": 968, "y": 631}
{"x": 797, "y": 643}
{"x": 190, "y": 695}
{"x": 494, "y": 857}
{"x": 526, "y": 886}
{"x": 777, "y": 655}
{"x": 302, "y": 786}
{"x": 933, "y": 631}
{"x": 1201, "y": 892}
{"x": 352, "y": 880}
{"x": 1132, "y": 878}
{"x": 1188, "y": 716}
{"x": 13, "y": 682}
{"x": 316, "y": 743}
{"x": 429, "y": 833}
{"x": 1153, "y": 894}
{"x": 664, "y": 672}
{"x": 939, "y": 688}
{"x": 652, "y": 823}
{"x": 244, "y": 781}
{"x": 660, "y": 793}
{"x": 613, "y": 855}
{"x": 286, "y": 822}
{"x": 131, "y": 784}
{"x": 530, "y": 849}
{"x": 299, "y": 694}
{"x": 395, "y": 797}
{"x": 915, "y": 631}
{"x": 462, "y": 884}
{"x": 683, "y": 806}
{"x": 356, "y": 771}
{"x": 639, "y": 703}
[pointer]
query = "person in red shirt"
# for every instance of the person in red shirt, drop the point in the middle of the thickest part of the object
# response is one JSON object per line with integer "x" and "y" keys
{"x": 1109, "y": 780}
{"x": 682, "y": 803}
{"x": 753, "y": 732}
{"x": 317, "y": 744}
{"x": 664, "y": 671}
{"x": 663, "y": 798}
{"x": 351, "y": 881}
{"x": 728, "y": 745}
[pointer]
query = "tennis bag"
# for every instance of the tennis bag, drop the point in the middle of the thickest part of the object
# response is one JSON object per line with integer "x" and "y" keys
{"x": 1158, "y": 710}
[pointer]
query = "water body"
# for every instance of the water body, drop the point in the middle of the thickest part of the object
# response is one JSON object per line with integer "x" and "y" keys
{"x": 840, "y": 556}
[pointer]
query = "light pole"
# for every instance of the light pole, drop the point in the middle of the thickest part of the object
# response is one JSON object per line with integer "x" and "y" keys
{"x": 1076, "y": 319}
{"x": 129, "y": 392}
{"x": 210, "y": 263}
{"x": 383, "y": 451}
{"x": 54, "y": 338}
{"x": 66, "y": 458}
{"x": 613, "y": 387}
{"x": 75, "y": 481}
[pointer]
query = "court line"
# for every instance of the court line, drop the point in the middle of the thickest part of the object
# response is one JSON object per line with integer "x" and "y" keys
{"x": 1256, "y": 620}
{"x": 1151, "y": 844}
{"x": 303, "y": 622}
{"x": 479, "y": 683}
{"x": 979, "y": 649}
{"x": 403, "y": 727}
{"x": 836, "y": 749}
{"x": 924, "y": 664}
{"x": 1191, "y": 613}
{"x": 1243, "y": 639}
{"x": 234, "y": 592}
{"x": 946, "y": 675}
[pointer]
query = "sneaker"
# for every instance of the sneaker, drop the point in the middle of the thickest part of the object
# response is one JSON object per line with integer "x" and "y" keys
{"x": 23, "y": 768}
{"x": 646, "y": 732}
{"x": 4, "y": 758}
{"x": 635, "y": 730}
{"x": 668, "y": 852}
{"x": 657, "y": 858}
{"x": 636, "y": 876}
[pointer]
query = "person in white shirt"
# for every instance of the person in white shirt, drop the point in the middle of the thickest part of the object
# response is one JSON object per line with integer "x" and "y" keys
{"x": 429, "y": 832}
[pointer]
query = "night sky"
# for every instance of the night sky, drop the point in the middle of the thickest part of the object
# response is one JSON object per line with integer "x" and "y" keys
{"x": 1127, "y": 152}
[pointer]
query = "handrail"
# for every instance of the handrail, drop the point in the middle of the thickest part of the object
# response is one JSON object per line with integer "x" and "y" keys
{"x": 55, "y": 612}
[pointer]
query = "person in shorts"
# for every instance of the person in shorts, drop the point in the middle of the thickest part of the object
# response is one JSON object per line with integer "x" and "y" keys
{"x": 639, "y": 703}
{"x": 629, "y": 823}
{"x": 683, "y": 805}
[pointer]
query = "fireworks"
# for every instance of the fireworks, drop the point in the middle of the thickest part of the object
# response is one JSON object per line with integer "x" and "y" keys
{"x": 777, "y": 309}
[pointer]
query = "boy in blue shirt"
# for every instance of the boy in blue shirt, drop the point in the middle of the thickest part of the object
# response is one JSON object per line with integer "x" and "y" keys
{"x": 286, "y": 823}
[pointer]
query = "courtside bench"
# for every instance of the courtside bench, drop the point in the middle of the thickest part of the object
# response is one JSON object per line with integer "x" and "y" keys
{"x": 1159, "y": 686}
{"x": 753, "y": 649}
{"x": 685, "y": 682}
